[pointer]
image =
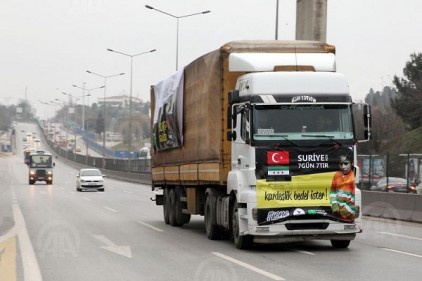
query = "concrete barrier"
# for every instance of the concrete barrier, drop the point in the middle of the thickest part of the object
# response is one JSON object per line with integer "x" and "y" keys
{"x": 417, "y": 214}
{"x": 397, "y": 206}
{"x": 402, "y": 206}
{"x": 374, "y": 203}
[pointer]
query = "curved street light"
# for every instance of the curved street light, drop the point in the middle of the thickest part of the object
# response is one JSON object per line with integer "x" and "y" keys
{"x": 104, "y": 105}
{"x": 177, "y": 29}
{"x": 83, "y": 100}
{"x": 130, "y": 95}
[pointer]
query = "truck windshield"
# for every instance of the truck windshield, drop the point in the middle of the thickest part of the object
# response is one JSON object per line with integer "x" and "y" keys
{"x": 302, "y": 122}
{"x": 41, "y": 161}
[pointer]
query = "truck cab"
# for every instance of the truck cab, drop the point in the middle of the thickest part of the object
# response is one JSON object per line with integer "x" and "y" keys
{"x": 40, "y": 167}
{"x": 288, "y": 131}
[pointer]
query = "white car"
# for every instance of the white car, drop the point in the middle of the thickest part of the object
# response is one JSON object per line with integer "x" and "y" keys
{"x": 90, "y": 179}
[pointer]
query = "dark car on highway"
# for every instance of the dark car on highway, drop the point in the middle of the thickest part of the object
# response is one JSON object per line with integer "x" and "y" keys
{"x": 394, "y": 184}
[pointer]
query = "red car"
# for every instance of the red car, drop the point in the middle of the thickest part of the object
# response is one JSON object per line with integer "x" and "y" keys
{"x": 394, "y": 184}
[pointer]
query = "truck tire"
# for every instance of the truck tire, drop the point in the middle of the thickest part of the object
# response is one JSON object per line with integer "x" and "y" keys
{"x": 172, "y": 207}
{"x": 184, "y": 205}
{"x": 175, "y": 208}
{"x": 241, "y": 242}
{"x": 213, "y": 230}
{"x": 340, "y": 244}
{"x": 178, "y": 210}
{"x": 166, "y": 205}
{"x": 186, "y": 218}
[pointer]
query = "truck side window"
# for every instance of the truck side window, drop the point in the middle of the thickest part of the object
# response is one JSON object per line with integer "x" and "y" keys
{"x": 245, "y": 126}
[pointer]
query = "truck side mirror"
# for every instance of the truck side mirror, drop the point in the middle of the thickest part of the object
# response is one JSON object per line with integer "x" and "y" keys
{"x": 367, "y": 121}
{"x": 231, "y": 135}
{"x": 362, "y": 121}
{"x": 367, "y": 115}
{"x": 233, "y": 97}
{"x": 229, "y": 117}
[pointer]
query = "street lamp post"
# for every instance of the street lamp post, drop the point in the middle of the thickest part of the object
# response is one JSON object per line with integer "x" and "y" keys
{"x": 104, "y": 104}
{"x": 83, "y": 104}
{"x": 130, "y": 95}
{"x": 70, "y": 97}
{"x": 177, "y": 29}
{"x": 46, "y": 112}
{"x": 83, "y": 100}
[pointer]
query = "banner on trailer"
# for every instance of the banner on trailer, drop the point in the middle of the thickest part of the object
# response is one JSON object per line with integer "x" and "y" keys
{"x": 168, "y": 113}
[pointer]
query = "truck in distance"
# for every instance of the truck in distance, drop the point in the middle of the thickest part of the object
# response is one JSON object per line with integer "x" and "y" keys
{"x": 252, "y": 136}
{"x": 40, "y": 167}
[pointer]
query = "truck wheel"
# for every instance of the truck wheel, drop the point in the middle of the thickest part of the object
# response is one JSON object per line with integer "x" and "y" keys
{"x": 340, "y": 244}
{"x": 31, "y": 182}
{"x": 172, "y": 208}
{"x": 178, "y": 210}
{"x": 213, "y": 231}
{"x": 240, "y": 241}
{"x": 186, "y": 218}
{"x": 166, "y": 205}
{"x": 184, "y": 205}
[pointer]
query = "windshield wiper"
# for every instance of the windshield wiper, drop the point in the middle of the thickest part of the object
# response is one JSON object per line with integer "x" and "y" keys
{"x": 323, "y": 136}
{"x": 285, "y": 138}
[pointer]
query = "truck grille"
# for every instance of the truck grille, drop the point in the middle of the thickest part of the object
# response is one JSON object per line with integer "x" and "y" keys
{"x": 41, "y": 173}
{"x": 304, "y": 226}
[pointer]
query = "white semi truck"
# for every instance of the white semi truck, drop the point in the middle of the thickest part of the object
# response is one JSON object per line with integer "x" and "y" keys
{"x": 250, "y": 136}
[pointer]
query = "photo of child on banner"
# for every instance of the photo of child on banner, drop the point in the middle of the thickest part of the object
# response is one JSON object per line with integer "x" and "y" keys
{"x": 342, "y": 193}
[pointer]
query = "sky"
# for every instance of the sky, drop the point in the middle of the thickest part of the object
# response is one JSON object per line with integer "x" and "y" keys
{"x": 46, "y": 46}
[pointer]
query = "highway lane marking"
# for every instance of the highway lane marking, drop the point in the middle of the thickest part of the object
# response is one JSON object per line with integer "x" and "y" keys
{"x": 128, "y": 192}
{"x": 150, "y": 226}
{"x": 14, "y": 198}
{"x": 303, "y": 252}
{"x": 87, "y": 199}
{"x": 401, "y": 252}
{"x": 110, "y": 209}
{"x": 248, "y": 266}
{"x": 30, "y": 263}
{"x": 400, "y": 235}
{"x": 112, "y": 247}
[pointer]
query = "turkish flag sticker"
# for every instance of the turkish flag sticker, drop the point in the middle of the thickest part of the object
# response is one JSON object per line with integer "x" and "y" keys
{"x": 278, "y": 157}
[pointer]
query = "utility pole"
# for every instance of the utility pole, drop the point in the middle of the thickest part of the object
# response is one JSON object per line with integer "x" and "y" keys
{"x": 311, "y": 20}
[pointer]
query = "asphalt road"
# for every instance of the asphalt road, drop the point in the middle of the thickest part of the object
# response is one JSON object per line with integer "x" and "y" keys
{"x": 53, "y": 233}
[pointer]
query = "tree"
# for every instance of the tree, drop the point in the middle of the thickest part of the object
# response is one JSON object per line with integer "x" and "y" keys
{"x": 5, "y": 118}
{"x": 99, "y": 123}
{"x": 408, "y": 102}
{"x": 386, "y": 124}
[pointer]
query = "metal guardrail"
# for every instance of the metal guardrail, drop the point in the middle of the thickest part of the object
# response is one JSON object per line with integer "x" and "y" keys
{"x": 133, "y": 170}
{"x": 143, "y": 178}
